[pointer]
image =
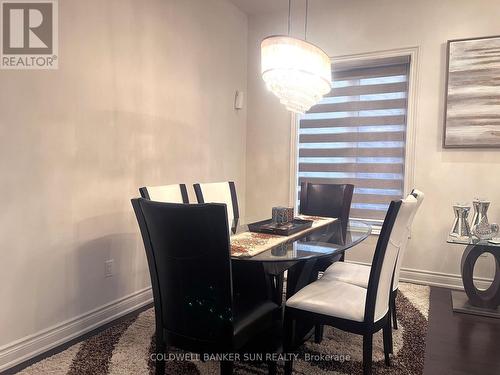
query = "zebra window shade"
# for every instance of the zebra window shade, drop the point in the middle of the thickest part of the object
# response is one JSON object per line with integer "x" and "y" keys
{"x": 357, "y": 134}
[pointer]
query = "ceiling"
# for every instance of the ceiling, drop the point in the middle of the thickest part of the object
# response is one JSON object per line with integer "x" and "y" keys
{"x": 260, "y": 6}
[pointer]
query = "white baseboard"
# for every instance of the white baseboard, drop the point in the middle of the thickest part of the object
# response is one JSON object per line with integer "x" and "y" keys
{"x": 30, "y": 346}
{"x": 439, "y": 279}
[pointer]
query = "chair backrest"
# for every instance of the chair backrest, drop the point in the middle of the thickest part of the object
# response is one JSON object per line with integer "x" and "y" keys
{"x": 220, "y": 192}
{"x": 389, "y": 243}
{"x": 165, "y": 193}
{"x": 188, "y": 253}
{"x": 420, "y": 198}
{"x": 329, "y": 200}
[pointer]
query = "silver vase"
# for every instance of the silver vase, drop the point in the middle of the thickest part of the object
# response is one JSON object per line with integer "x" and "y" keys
{"x": 480, "y": 209}
{"x": 461, "y": 228}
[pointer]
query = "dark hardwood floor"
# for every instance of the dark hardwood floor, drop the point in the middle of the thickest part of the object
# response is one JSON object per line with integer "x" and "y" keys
{"x": 460, "y": 343}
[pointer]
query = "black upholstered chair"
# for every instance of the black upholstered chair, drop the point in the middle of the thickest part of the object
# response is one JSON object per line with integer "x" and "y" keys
{"x": 188, "y": 253}
{"x": 328, "y": 200}
{"x": 165, "y": 193}
{"x": 249, "y": 278}
{"x": 349, "y": 307}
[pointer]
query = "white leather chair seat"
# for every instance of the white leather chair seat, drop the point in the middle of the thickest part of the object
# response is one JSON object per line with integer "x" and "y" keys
{"x": 331, "y": 297}
{"x": 351, "y": 273}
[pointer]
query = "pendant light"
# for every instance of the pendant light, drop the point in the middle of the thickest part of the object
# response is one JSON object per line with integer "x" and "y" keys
{"x": 296, "y": 71}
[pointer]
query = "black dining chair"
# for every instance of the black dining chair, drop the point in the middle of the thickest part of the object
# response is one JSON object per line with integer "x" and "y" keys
{"x": 165, "y": 193}
{"x": 349, "y": 307}
{"x": 249, "y": 278}
{"x": 328, "y": 200}
{"x": 188, "y": 253}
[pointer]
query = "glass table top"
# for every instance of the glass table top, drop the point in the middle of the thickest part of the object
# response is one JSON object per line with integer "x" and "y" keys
{"x": 494, "y": 242}
{"x": 321, "y": 242}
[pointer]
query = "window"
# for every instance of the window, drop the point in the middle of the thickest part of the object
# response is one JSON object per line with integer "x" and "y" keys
{"x": 357, "y": 134}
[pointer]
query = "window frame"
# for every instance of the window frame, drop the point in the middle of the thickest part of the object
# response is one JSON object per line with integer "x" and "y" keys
{"x": 411, "y": 122}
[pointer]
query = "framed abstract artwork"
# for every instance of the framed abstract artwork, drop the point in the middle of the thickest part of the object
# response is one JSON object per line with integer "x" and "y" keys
{"x": 472, "y": 117}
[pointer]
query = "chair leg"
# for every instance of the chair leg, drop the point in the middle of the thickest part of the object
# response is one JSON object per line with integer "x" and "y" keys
{"x": 161, "y": 350}
{"x": 318, "y": 333}
{"x": 272, "y": 367}
{"x": 393, "y": 308}
{"x": 289, "y": 339}
{"x": 226, "y": 368}
{"x": 160, "y": 368}
{"x": 367, "y": 353}
{"x": 387, "y": 330}
{"x": 288, "y": 367}
{"x": 288, "y": 332}
{"x": 391, "y": 341}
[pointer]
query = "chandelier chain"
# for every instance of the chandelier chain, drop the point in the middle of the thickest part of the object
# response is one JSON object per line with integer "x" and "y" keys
{"x": 289, "y": 15}
{"x": 305, "y": 25}
{"x": 290, "y": 18}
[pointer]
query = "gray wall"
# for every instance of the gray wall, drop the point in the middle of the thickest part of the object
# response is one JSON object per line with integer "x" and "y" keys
{"x": 143, "y": 95}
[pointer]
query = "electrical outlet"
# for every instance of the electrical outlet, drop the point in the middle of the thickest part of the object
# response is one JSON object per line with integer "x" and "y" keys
{"x": 109, "y": 268}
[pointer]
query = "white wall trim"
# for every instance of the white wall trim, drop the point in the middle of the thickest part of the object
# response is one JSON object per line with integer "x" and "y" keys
{"x": 30, "y": 346}
{"x": 439, "y": 279}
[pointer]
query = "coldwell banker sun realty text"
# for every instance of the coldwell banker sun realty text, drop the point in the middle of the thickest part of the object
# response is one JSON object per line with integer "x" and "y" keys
{"x": 29, "y": 34}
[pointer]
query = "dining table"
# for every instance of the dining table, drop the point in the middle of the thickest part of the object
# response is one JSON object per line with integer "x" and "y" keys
{"x": 299, "y": 254}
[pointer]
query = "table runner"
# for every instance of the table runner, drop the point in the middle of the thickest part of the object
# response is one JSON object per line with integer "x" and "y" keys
{"x": 249, "y": 244}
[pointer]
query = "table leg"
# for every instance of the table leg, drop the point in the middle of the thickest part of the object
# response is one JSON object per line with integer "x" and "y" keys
{"x": 276, "y": 274}
{"x": 278, "y": 288}
{"x": 489, "y": 298}
{"x": 475, "y": 301}
{"x": 299, "y": 276}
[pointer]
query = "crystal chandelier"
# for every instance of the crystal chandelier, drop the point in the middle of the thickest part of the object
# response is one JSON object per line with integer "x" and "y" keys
{"x": 296, "y": 71}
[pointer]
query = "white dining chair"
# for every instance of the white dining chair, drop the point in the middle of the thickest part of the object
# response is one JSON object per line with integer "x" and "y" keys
{"x": 358, "y": 274}
{"x": 220, "y": 192}
{"x": 349, "y": 307}
{"x": 165, "y": 193}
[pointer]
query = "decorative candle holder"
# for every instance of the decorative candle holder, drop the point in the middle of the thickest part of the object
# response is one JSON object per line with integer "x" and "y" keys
{"x": 461, "y": 228}
{"x": 282, "y": 215}
{"x": 480, "y": 209}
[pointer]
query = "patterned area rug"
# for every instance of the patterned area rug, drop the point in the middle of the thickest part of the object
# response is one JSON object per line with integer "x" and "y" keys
{"x": 125, "y": 349}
